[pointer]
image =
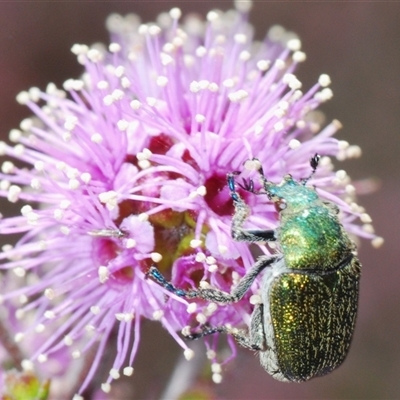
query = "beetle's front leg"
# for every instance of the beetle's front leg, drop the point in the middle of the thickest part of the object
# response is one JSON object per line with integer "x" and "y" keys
{"x": 239, "y": 217}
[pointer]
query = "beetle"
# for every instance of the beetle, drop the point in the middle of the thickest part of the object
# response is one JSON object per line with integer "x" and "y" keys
{"x": 304, "y": 323}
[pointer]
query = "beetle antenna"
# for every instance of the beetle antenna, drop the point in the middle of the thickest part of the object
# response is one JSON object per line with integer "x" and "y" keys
{"x": 248, "y": 184}
{"x": 264, "y": 182}
{"x": 314, "y": 161}
{"x": 260, "y": 171}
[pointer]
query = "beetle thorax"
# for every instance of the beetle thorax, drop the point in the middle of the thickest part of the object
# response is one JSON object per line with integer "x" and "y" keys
{"x": 312, "y": 237}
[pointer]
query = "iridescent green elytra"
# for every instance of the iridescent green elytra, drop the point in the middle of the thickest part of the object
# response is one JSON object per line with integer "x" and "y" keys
{"x": 303, "y": 326}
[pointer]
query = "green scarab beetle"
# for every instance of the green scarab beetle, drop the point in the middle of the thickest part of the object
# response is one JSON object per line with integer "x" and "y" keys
{"x": 304, "y": 323}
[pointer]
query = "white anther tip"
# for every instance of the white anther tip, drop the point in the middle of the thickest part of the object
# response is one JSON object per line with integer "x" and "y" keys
{"x": 188, "y": 354}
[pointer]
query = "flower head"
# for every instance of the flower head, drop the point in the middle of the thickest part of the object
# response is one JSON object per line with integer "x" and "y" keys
{"x": 127, "y": 167}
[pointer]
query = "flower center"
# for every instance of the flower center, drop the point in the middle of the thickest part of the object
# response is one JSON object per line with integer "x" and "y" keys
{"x": 217, "y": 196}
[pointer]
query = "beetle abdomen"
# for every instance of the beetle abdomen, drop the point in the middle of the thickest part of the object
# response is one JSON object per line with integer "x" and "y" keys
{"x": 313, "y": 318}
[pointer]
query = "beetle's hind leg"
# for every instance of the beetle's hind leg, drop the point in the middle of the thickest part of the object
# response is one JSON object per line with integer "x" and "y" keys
{"x": 240, "y": 335}
{"x": 239, "y": 217}
{"x": 254, "y": 341}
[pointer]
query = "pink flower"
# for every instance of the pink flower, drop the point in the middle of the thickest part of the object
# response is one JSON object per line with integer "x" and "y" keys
{"x": 127, "y": 167}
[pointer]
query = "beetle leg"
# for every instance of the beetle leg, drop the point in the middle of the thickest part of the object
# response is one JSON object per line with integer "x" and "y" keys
{"x": 159, "y": 278}
{"x": 257, "y": 333}
{"x": 253, "y": 341}
{"x": 213, "y": 294}
{"x": 219, "y": 296}
{"x": 241, "y": 213}
{"x": 240, "y": 335}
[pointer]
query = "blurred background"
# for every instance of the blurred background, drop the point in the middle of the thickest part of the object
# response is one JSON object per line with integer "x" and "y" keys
{"x": 358, "y": 45}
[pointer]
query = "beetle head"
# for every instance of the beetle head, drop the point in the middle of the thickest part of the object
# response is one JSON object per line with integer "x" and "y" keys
{"x": 290, "y": 195}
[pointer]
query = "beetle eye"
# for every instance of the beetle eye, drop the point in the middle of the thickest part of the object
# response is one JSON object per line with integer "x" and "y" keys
{"x": 280, "y": 205}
